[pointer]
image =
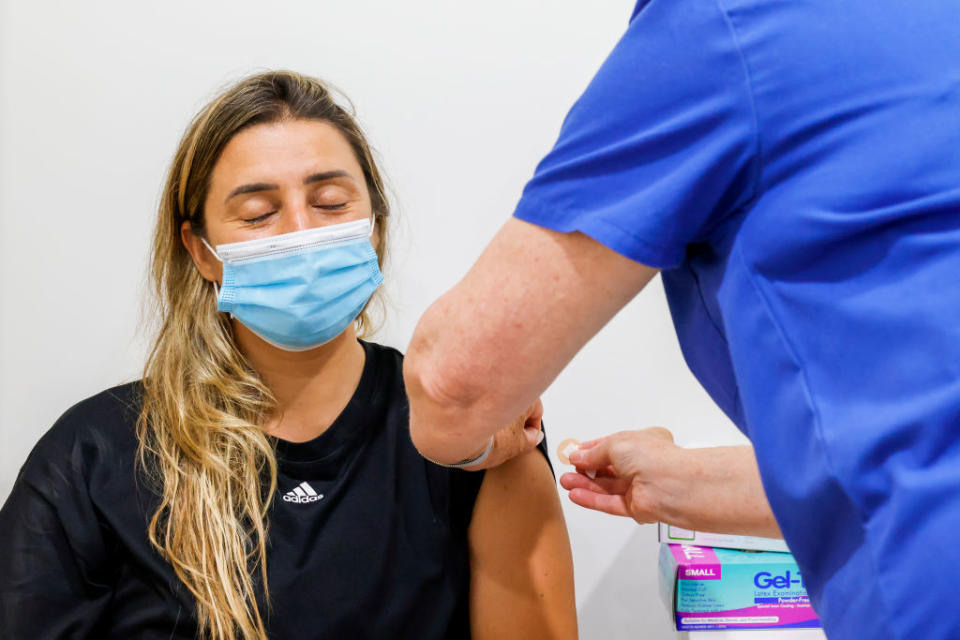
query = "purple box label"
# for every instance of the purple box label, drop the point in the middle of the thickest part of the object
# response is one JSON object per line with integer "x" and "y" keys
{"x": 696, "y": 563}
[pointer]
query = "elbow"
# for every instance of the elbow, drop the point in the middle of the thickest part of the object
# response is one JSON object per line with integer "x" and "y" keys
{"x": 443, "y": 398}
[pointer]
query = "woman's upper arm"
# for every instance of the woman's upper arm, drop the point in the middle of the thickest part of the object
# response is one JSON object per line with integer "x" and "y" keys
{"x": 521, "y": 583}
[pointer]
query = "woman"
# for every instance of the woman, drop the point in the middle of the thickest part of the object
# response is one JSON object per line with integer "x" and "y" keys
{"x": 260, "y": 480}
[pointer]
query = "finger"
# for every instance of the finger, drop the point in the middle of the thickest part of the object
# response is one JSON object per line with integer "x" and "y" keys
{"x": 533, "y": 436}
{"x": 533, "y": 425}
{"x": 610, "y": 486}
{"x": 661, "y": 433}
{"x": 518, "y": 440}
{"x": 601, "y": 485}
{"x": 523, "y": 439}
{"x": 605, "y": 472}
{"x": 592, "y": 443}
{"x": 535, "y": 414}
{"x": 614, "y": 505}
{"x": 593, "y": 458}
{"x": 524, "y": 435}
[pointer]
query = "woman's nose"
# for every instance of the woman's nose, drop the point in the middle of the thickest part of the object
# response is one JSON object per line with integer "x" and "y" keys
{"x": 298, "y": 218}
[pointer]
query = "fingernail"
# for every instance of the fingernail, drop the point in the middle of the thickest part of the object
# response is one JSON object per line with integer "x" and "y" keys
{"x": 575, "y": 457}
{"x": 540, "y": 437}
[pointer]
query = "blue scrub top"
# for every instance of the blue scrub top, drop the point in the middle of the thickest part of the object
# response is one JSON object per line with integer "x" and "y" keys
{"x": 794, "y": 169}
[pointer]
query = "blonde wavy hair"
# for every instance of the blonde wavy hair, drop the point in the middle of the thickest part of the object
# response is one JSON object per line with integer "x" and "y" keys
{"x": 200, "y": 437}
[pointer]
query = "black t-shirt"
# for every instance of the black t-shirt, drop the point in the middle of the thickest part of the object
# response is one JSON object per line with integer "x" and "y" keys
{"x": 366, "y": 538}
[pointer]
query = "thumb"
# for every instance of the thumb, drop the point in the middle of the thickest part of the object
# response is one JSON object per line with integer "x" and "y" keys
{"x": 594, "y": 457}
{"x": 534, "y": 436}
{"x": 533, "y": 424}
{"x": 660, "y": 433}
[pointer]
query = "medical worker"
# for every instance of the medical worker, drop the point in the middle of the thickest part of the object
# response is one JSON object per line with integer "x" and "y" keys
{"x": 792, "y": 171}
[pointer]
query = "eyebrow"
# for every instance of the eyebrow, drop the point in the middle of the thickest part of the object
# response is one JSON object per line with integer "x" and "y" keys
{"x": 265, "y": 186}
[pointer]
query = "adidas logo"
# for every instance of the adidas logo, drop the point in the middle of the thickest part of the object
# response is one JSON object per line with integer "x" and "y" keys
{"x": 302, "y": 493}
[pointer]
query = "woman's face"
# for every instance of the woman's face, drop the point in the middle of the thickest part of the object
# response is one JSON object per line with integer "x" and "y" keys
{"x": 279, "y": 178}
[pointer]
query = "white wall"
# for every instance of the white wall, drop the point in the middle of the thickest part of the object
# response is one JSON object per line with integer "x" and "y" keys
{"x": 461, "y": 102}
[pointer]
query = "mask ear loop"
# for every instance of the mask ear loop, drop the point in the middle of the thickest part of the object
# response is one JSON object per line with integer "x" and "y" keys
{"x": 373, "y": 225}
{"x": 216, "y": 289}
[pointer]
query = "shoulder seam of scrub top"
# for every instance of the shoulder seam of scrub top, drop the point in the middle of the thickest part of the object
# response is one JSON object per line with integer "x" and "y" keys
{"x": 663, "y": 254}
{"x": 758, "y": 163}
{"x": 818, "y": 429}
{"x": 658, "y": 256}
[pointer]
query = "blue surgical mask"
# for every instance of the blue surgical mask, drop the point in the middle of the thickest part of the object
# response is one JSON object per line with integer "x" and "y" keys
{"x": 299, "y": 290}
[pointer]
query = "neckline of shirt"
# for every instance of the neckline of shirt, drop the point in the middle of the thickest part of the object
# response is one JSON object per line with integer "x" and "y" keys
{"x": 348, "y": 426}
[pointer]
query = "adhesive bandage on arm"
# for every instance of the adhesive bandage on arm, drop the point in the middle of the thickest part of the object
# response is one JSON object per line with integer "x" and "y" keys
{"x": 568, "y": 446}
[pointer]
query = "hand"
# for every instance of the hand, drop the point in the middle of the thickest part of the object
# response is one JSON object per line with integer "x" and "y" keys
{"x": 519, "y": 437}
{"x": 644, "y": 475}
{"x": 627, "y": 466}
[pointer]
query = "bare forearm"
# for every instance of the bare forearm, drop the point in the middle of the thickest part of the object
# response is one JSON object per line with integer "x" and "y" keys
{"x": 717, "y": 489}
{"x": 479, "y": 356}
{"x": 488, "y": 348}
{"x": 451, "y": 416}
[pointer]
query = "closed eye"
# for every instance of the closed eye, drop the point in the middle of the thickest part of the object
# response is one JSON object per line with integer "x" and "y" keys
{"x": 259, "y": 218}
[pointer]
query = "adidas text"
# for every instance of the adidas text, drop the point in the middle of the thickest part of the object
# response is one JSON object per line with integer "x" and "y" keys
{"x": 302, "y": 494}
